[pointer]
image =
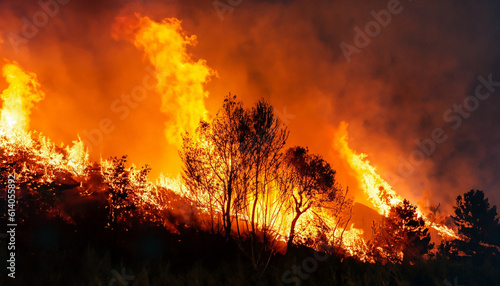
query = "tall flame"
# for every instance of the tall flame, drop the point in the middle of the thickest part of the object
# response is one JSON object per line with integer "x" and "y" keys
{"x": 380, "y": 193}
{"x": 378, "y": 190}
{"x": 18, "y": 99}
{"x": 180, "y": 79}
{"x": 180, "y": 82}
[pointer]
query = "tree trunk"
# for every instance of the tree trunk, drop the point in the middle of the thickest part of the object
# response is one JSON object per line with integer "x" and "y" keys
{"x": 256, "y": 197}
{"x": 228, "y": 210}
{"x": 292, "y": 229}
{"x": 254, "y": 207}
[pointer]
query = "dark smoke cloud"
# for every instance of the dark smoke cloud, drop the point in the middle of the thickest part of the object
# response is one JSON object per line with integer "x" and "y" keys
{"x": 394, "y": 92}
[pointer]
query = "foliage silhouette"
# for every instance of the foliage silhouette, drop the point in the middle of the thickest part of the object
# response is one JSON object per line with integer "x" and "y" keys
{"x": 310, "y": 182}
{"x": 478, "y": 225}
{"x": 402, "y": 236}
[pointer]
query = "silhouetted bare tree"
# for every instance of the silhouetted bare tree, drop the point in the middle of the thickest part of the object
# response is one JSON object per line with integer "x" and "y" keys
{"x": 308, "y": 180}
{"x": 213, "y": 161}
{"x": 267, "y": 137}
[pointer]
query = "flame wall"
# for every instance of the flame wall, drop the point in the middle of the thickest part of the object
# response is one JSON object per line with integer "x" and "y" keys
{"x": 394, "y": 92}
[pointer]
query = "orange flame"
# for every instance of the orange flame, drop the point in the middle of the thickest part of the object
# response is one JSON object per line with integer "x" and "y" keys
{"x": 180, "y": 79}
{"x": 380, "y": 193}
{"x": 378, "y": 190}
{"x": 18, "y": 99}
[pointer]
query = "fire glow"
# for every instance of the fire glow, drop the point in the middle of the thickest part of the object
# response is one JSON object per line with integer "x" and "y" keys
{"x": 180, "y": 83}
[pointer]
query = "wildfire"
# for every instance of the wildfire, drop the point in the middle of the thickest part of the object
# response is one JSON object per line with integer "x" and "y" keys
{"x": 18, "y": 99}
{"x": 173, "y": 184}
{"x": 445, "y": 231}
{"x": 378, "y": 190}
{"x": 380, "y": 193}
{"x": 78, "y": 157}
{"x": 180, "y": 82}
{"x": 354, "y": 242}
{"x": 180, "y": 79}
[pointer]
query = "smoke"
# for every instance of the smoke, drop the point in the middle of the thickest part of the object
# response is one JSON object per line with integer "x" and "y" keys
{"x": 394, "y": 92}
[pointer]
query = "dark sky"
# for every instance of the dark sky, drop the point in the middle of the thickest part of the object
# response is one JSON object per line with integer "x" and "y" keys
{"x": 398, "y": 87}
